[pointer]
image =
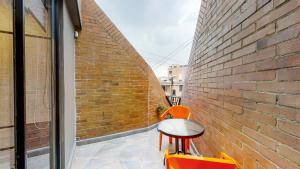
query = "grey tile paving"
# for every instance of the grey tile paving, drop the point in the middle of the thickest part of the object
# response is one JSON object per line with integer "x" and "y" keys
{"x": 139, "y": 151}
{"x": 38, "y": 162}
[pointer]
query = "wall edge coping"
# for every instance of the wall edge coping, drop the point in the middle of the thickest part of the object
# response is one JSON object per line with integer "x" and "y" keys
{"x": 114, "y": 136}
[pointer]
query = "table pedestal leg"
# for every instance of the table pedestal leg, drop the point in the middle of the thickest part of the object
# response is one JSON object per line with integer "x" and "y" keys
{"x": 183, "y": 145}
{"x": 176, "y": 146}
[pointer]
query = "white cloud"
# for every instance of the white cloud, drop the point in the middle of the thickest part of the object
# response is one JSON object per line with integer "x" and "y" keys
{"x": 155, "y": 26}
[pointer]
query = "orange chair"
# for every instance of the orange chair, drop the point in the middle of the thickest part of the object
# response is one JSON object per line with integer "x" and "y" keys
{"x": 177, "y": 112}
{"x": 179, "y": 161}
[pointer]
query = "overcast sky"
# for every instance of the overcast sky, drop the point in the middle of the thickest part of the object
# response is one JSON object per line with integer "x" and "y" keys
{"x": 156, "y": 28}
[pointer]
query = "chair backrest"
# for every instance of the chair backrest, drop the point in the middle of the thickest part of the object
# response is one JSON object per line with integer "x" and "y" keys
{"x": 194, "y": 162}
{"x": 177, "y": 112}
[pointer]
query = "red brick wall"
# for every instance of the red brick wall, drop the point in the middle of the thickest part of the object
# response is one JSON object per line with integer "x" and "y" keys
{"x": 243, "y": 81}
{"x": 37, "y": 135}
{"x": 116, "y": 89}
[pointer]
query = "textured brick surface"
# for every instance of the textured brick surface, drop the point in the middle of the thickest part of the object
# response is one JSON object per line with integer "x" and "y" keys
{"x": 247, "y": 93}
{"x": 37, "y": 135}
{"x": 116, "y": 89}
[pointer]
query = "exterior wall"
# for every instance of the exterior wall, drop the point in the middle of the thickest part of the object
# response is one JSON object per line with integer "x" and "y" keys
{"x": 116, "y": 90}
{"x": 177, "y": 71}
{"x": 243, "y": 81}
{"x": 169, "y": 90}
{"x": 69, "y": 90}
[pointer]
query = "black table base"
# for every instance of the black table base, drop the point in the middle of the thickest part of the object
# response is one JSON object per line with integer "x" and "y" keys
{"x": 180, "y": 129}
{"x": 182, "y": 148}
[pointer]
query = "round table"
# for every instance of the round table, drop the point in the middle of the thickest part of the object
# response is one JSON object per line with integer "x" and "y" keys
{"x": 180, "y": 129}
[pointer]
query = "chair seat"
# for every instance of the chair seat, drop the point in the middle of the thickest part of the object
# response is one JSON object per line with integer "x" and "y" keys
{"x": 179, "y": 161}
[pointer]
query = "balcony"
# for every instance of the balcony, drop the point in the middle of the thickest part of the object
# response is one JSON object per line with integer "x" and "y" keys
{"x": 242, "y": 84}
{"x": 127, "y": 152}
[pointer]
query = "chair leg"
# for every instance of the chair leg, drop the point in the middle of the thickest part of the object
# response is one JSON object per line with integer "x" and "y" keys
{"x": 167, "y": 164}
{"x": 170, "y": 140}
{"x": 187, "y": 144}
{"x": 160, "y": 141}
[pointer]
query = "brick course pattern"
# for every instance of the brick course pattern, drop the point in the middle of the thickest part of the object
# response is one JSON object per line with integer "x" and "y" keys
{"x": 116, "y": 90}
{"x": 37, "y": 135}
{"x": 243, "y": 81}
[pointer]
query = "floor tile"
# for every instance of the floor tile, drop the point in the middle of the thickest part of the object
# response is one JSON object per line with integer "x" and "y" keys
{"x": 138, "y": 151}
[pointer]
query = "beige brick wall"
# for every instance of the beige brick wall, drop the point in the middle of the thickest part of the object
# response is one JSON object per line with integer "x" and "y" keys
{"x": 243, "y": 81}
{"x": 116, "y": 89}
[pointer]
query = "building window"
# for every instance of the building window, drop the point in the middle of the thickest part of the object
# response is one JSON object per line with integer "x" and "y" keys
{"x": 174, "y": 92}
{"x": 180, "y": 88}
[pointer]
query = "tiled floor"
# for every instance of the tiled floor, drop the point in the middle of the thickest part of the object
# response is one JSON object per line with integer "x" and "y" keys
{"x": 38, "y": 162}
{"x": 139, "y": 151}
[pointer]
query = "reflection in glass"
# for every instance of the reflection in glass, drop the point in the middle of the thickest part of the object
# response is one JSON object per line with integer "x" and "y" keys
{"x": 38, "y": 75}
{"x": 6, "y": 86}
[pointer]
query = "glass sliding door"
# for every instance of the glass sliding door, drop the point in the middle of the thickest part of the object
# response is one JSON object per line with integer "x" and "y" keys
{"x": 27, "y": 75}
{"x": 38, "y": 78}
{"x": 6, "y": 85}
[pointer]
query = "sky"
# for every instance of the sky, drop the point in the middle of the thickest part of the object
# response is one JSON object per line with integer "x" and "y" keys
{"x": 160, "y": 30}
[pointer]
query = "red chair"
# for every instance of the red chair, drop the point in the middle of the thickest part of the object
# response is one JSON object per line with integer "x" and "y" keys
{"x": 177, "y": 112}
{"x": 179, "y": 161}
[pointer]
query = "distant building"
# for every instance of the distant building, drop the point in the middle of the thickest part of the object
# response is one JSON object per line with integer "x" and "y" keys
{"x": 173, "y": 83}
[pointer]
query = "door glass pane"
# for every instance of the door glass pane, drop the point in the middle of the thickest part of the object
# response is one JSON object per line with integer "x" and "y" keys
{"x": 6, "y": 85}
{"x": 38, "y": 62}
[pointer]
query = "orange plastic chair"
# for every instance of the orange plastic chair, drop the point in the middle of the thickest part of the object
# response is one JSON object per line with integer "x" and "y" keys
{"x": 177, "y": 112}
{"x": 179, "y": 161}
